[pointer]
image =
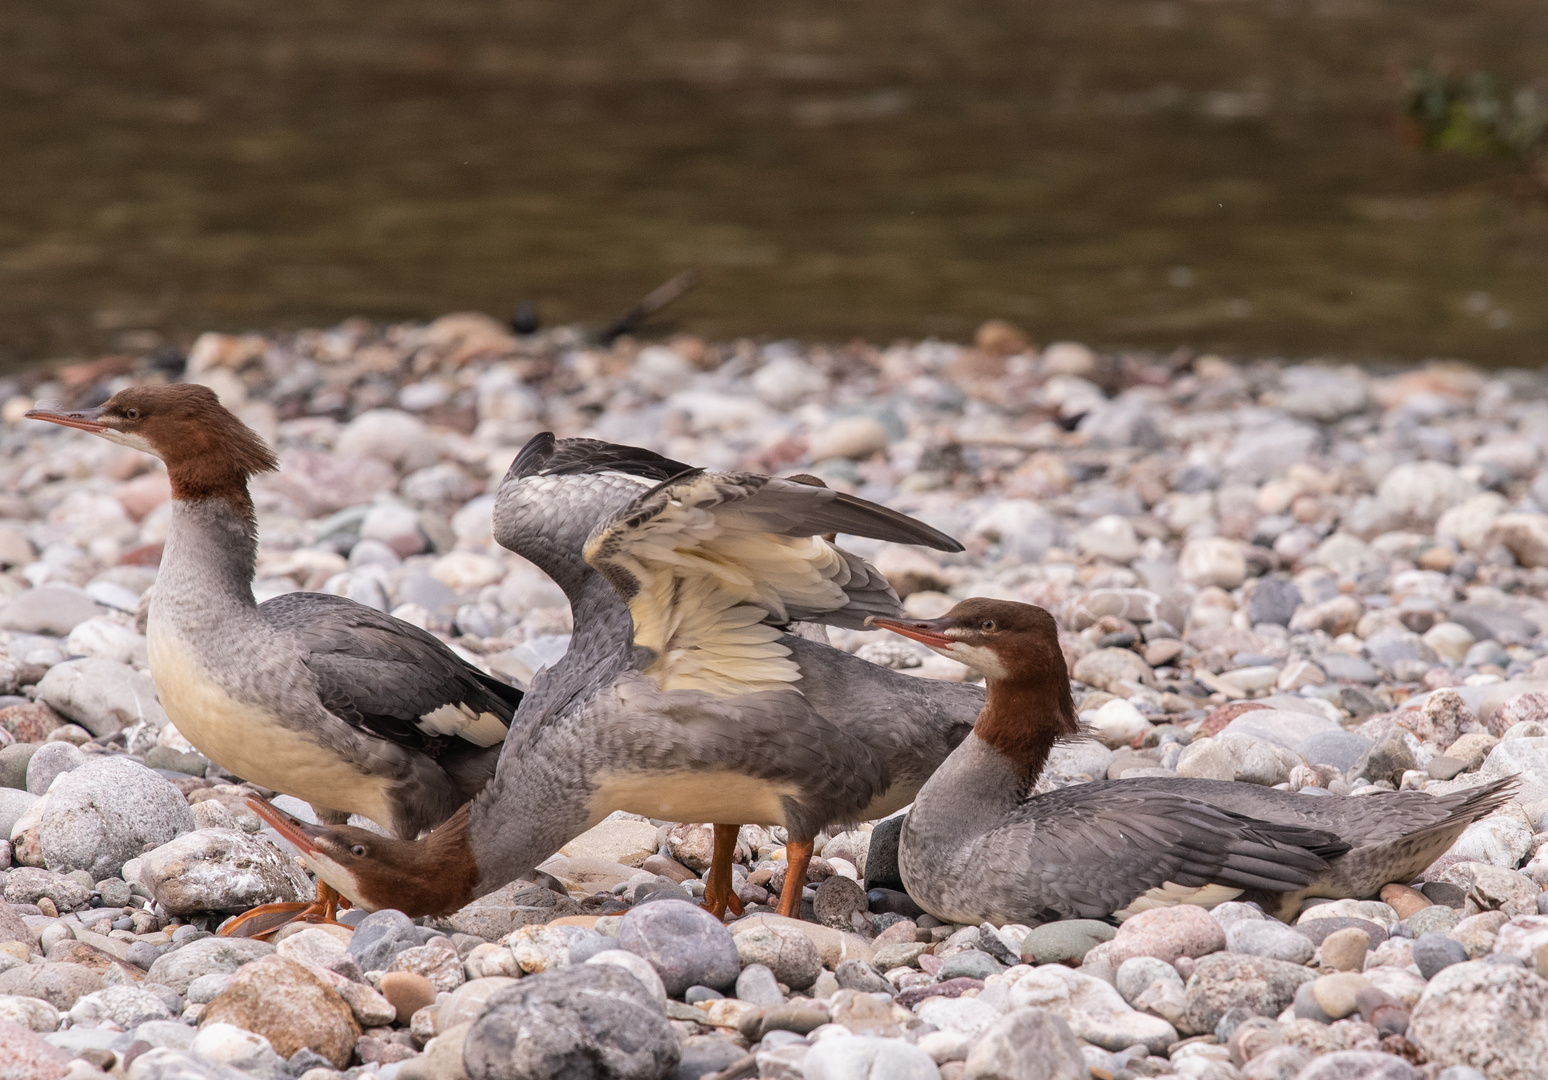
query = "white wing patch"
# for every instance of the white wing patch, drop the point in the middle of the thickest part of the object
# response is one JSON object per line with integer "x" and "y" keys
{"x": 1170, "y": 894}
{"x": 708, "y": 577}
{"x": 480, "y": 729}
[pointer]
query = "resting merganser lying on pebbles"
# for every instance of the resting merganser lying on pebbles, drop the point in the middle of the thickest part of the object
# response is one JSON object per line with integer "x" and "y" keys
{"x": 978, "y": 846}
{"x": 312, "y": 695}
{"x": 682, "y": 696}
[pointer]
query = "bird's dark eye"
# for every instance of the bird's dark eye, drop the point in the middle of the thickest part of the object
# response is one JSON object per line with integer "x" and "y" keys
{"x": 131, "y": 414}
{"x": 987, "y": 624}
{"x": 357, "y": 850}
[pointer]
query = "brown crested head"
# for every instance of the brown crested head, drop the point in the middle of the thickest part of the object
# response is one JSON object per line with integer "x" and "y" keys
{"x": 1016, "y": 648}
{"x": 208, "y": 451}
{"x": 431, "y": 876}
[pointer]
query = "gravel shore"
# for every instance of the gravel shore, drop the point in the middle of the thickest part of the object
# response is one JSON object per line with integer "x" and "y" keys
{"x": 1317, "y": 578}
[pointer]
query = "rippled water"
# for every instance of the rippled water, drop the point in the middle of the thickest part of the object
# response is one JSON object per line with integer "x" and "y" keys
{"x": 1228, "y": 174}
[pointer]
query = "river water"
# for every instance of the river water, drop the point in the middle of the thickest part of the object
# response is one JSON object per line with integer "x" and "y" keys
{"x": 1230, "y": 175}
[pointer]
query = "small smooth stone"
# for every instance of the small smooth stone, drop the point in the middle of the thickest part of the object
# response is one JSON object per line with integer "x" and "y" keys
{"x": 1272, "y": 939}
{"x": 1404, "y": 900}
{"x": 1345, "y": 950}
{"x": 1064, "y": 942}
{"x": 757, "y": 985}
{"x": 1434, "y": 953}
{"x": 407, "y": 992}
{"x": 838, "y": 900}
{"x": 969, "y": 964}
{"x": 695, "y": 994}
{"x": 859, "y": 975}
{"x": 1437, "y": 918}
{"x": 1336, "y": 994}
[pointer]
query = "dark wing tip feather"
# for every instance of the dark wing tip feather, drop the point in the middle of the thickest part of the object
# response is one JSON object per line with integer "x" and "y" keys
{"x": 908, "y": 530}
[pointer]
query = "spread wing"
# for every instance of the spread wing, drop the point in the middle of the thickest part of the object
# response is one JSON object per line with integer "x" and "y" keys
{"x": 713, "y": 565}
{"x": 391, "y": 678}
{"x": 1120, "y": 851}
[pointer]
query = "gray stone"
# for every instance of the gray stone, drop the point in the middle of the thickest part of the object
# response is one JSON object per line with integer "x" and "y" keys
{"x": 13, "y": 804}
{"x": 13, "y": 765}
{"x": 881, "y": 862}
{"x": 59, "y": 984}
{"x": 702, "y": 1055}
{"x": 107, "y": 812}
{"x": 1064, "y": 942}
{"x": 380, "y": 936}
{"x": 1526, "y": 758}
{"x": 1505, "y": 627}
{"x": 1262, "y": 986}
{"x": 173, "y": 1033}
{"x": 787, "y": 952}
{"x": 594, "y": 1020}
{"x": 521, "y": 903}
{"x": 969, "y": 964}
{"x": 222, "y": 870}
{"x": 166, "y": 1063}
{"x": 866, "y": 1057}
{"x": 1387, "y": 759}
{"x": 1359, "y": 1065}
{"x": 1280, "y": 726}
{"x": 858, "y": 975}
{"x": 1343, "y": 667}
{"x": 757, "y": 985}
{"x": 127, "y": 1006}
{"x": 1493, "y": 1017}
{"x": 1340, "y": 749}
{"x": 1271, "y": 939}
{"x": 1273, "y": 601}
{"x": 179, "y": 968}
{"x": 48, "y": 762}
{"x": 1389, "y": 646}
{"x": 684, "y": 943}
{"x": 103, "y": 696}
{"x": 1435, "y": 952}
{"x": 28, "y": 884}
{"x": 54, "y": 610}
{"x": 838, "y": 901}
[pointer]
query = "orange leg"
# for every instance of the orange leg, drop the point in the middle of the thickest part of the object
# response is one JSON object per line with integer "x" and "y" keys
{"x": 718, "y": 894}
{"x": 260, "y": 922}
{"x": 798, "y": 855}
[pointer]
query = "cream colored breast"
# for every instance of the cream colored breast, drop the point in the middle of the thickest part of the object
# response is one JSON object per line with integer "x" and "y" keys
{"x": 251, "y": 742}
{"x": 719, "y": 796}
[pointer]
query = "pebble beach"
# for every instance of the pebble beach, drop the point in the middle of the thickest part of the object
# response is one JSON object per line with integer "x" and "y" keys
{"x": 1318, "y": 577}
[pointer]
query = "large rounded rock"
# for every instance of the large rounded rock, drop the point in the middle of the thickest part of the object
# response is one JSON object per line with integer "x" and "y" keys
{"x": 207, "y": 956}
{"x": 1094, "y": 1010}
{"x": 380, "y": 936}
{"x": 592, "y": 1020}
{"x": 103, "y": 696}
{"x": 1359, "y": 1065}
{"x": 1167, "y": 933}
{"x": 866, "y": 1057}
{"x": 685, "y": 944}
{"x": 1493, "y": 1017}
{"x": 1262, "y": 986}
{"x": 59, "y": 984}
{"x": 221, "y": 870}
{"x": 107, "y": 812}
{"x": 789, "y": 954}
{"x": 25, "y": 1056}
{"x": 1027, "y": 1044}
{"x": 288, "y": 1005}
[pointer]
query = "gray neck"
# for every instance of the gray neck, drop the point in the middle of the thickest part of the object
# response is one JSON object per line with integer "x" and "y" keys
{"x": 970, "y": 794}
{"x": 207, "y": 566}
{"x": 539, "y": 798}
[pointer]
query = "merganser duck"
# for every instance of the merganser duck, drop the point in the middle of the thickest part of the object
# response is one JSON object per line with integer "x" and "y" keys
{"x": 312, "y": 695}
{"x": 682, "y": 696}
{"x": 978, "y": 846}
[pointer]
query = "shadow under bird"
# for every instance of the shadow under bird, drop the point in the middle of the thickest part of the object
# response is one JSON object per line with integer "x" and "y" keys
{"x": 978, "y": 846}
{"x": 683, "y": 695}
{"x": 312, "y": 695}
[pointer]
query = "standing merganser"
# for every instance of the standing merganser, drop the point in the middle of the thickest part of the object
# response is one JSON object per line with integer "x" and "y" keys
{"x": 682, "y": 696}
{"x": 312, "y": 695}
{"x": 977, "y": 846}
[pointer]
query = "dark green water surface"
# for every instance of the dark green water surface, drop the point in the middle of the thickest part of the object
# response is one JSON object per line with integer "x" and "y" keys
{"x": 1229, "y": 175}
